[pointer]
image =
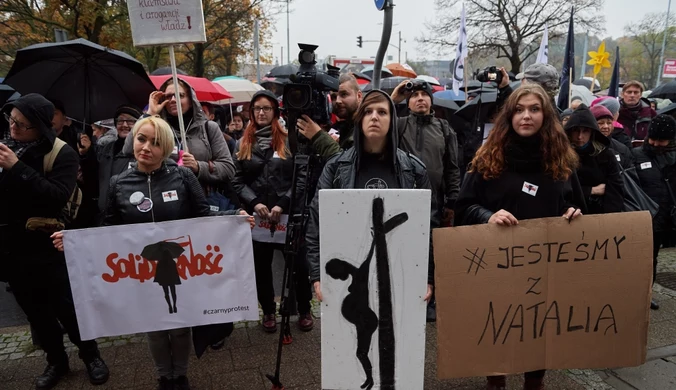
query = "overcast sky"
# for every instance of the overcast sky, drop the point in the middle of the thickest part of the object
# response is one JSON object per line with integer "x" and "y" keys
{"x": 335, "y": 25}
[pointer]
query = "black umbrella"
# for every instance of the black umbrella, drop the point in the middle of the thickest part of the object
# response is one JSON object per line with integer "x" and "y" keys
{"x": 388, "y": 85}
{"x": 90, "y": 80}
{"x": 665, "y": 91}
{"x": 284, "y": 71}
{"x": 482, "y": 105}
{"x": 166, "y": 70}
{"x": 587, "y": 83}
{"x": 670, "y": 109}
{"x": 7, "y": 93}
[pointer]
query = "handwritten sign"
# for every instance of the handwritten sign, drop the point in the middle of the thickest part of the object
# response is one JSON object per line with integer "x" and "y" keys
{"x": 545, "y": 294}
{"x": 146, "y": 277}
{"x": 264, "y": 231}
{"x": 166, "y": 22}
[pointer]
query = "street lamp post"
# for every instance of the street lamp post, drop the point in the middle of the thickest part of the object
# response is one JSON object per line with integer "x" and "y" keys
{"x": 664, "y": 44}
{"x": 288, "y": 35}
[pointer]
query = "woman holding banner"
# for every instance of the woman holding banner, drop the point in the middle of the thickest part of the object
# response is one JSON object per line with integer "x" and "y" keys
{"x": 263, "y": 182}
{"x": 525, "y": 170}
{"x": 137, "y": 196}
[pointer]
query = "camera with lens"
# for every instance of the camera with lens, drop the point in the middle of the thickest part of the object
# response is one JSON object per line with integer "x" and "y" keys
{"x": 414, "y": 85}
{"x": 490, "y": 74}
{"x": 308, "y": 92}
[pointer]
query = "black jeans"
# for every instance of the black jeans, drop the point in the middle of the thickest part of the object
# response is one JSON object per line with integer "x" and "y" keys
{"x": 263, "y": 255}
{"x": 46, "y": 299}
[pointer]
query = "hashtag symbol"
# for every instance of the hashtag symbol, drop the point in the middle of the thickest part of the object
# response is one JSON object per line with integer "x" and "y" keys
{"x": 205, "y": 312}
{"x": 475, "y": 260}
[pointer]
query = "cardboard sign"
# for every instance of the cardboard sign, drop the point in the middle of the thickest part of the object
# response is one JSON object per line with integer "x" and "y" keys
{"x": 374, "y": 252}
{"x": 157, "y": 276}
{"x": 166, "y": 22}
{"x": 263, "y": 231}
{"x": 544, "y": 294}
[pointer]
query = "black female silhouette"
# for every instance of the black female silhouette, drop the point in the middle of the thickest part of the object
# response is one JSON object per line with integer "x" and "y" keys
{"x": 166, "y": 274}
{"x": 356, "y": 309}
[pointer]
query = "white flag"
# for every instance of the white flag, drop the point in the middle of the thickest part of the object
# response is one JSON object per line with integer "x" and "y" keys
{"x": 543, "y": 53}
{"x": 460, "y": 54}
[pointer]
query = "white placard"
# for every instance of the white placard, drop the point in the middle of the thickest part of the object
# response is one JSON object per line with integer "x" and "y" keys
{"x": 130, "y": 278}
{"x": 166, "y": 22}
{"x": 352, "y": 277}
{"x": 262, "y": 233}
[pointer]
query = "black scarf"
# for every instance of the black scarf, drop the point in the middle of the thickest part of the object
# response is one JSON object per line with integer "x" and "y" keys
{"x": 664, "y": 156}
{"x": 523, "y": 154}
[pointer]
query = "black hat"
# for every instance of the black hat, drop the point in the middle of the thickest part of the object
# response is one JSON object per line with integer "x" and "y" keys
{"x": 421, "y": 85}
{"x": 268, "y": 94}
{"x": 662, "y": 127}
{"x": 127, "y": 109}
{"x": 38, "y": 110}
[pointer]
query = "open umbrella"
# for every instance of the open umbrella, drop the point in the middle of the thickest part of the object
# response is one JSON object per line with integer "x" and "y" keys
{"x": 402, "y": 70}
{"x": 586, "y": 82}
{"x": 7, "y": 93}
{"x": 90, "y": 80}
{"x": 479, "y": 108}
{"x": 583, "y": 93}
{"x": 166, "y": 70}
{"x": 665, "y": 91}
{"x": 431, "y": 80}
{"x": 384, "y": 72}
{"x": 206, "y": 90}
{"x": 241, "y": 90}
{"x": 283, "y": 71}
{"x": 359, "y": 75}
{"x": 388, "y": 85}
{"x": 450, "y": 95}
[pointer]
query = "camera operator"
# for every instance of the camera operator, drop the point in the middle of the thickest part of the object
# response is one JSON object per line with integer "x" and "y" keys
{"x": 432, "y": 140}
{"x": 263, "y": 181}
{"x": 347, "y": 102}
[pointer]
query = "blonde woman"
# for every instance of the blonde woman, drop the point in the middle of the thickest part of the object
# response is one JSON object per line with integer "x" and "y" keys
{"x": 135, "y": 196}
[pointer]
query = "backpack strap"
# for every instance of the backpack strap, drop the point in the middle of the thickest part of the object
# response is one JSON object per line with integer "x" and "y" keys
{"x": 48, "y": 162}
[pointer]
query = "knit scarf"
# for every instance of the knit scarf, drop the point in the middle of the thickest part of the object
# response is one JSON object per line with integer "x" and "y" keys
{"x": 264, "y": 138}
{"x": 19, "y": 148}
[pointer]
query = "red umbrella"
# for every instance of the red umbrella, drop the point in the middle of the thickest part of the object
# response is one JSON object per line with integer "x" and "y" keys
{"x": 207, "y": 91}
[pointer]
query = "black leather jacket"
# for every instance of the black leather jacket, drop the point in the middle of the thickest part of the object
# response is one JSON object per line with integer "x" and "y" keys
{"x": 265, "y": 178}
{"x": 174, "y": 192}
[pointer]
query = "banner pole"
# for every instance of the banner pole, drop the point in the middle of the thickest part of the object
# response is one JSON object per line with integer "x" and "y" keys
{"x": 177, "y": 95}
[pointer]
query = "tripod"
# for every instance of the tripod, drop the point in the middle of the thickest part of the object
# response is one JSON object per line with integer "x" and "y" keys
{"x": 302, "y": 188}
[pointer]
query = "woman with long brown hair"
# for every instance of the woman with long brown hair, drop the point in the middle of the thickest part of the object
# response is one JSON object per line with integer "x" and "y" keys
{"x": 525, "y": 170}
{"x": 263, "y": 181}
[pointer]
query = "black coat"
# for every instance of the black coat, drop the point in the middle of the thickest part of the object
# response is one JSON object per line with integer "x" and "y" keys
{"x": 618, "y": 134}
{"x": 651, "y": 172}
{"x": 601, "y": 169}
{"x": 159, "y": 187}
{"x": 26, "y": 192}
{"x": 265, "y": 178}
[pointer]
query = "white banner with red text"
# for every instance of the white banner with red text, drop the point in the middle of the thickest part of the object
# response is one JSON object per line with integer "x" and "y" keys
{"x": 156, "y": 276}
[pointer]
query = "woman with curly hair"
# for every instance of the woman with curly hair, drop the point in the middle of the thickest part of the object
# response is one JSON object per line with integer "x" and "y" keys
{"x": 525, "y": 170}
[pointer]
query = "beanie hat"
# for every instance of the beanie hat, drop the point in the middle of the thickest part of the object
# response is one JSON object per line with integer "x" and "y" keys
{"x": 127, "y": 109}
{"x": 662, "y": 127}
{"x": 609, "y": 102}
{"x": 270, "y": 96}
{"x": 601, "y": 112}
{"x": 421, "y": 85}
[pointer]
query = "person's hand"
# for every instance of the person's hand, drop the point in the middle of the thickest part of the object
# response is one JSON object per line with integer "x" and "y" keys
{"x": 504, "y": 218}
{"x": 318, "y": 291}
{"x": 57, "y": 239}
{"x": 156, "y": 103}
{"x": 505, "y": 79}
{"x": 599, "y": 190}
{"x": 572, "y": 213}
{"x": 428, "y": 295}
{"x": 275, "y": 214}
{"x": 262, "y": 210}
{"x": 7, "y": 157}
{"x": 250, "y": 219}
{"x": 190, "y": 162}
{"x": 398, "y": 95}
{"x": 84, "y": 144}
{"x": 307, "y": 126}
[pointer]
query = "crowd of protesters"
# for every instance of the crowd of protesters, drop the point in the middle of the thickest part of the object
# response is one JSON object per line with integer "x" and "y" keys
{"x": 575, "y": 161}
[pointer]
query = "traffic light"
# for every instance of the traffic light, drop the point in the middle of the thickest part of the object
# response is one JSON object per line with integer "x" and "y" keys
{"x": 359, "y": 41}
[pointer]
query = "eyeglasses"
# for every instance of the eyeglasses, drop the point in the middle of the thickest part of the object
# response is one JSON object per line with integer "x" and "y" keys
{"x": 130, "y": 122}
{"x": 266, "y": 110}
{"x": 14, "y": 122}
{"x": 169, "y": 96}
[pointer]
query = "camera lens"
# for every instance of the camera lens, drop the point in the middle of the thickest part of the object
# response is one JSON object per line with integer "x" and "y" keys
{"x": 409, "y": 85}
